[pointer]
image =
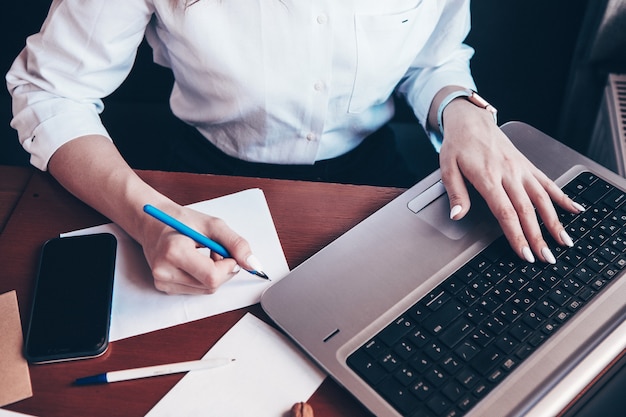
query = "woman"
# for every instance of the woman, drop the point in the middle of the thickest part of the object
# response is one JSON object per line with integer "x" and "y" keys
{"x": 273, "y": 88}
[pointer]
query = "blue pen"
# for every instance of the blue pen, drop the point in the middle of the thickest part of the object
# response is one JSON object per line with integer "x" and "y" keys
{"x": 197, "y": 236}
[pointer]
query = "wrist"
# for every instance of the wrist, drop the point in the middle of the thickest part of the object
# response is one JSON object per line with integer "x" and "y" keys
{"x": 467, "y": 95}
{"x": 149, "y": 229}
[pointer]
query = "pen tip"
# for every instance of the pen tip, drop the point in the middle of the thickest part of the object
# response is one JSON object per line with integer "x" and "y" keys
{"x": 262, "y": 275}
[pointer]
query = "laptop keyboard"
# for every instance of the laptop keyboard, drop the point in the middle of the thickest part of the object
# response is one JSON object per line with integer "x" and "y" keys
{"x": 450, "y": 349}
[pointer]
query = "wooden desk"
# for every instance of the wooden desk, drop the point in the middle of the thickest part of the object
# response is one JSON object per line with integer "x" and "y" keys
{"x": 12, "y": 183}
{"x": 307, "y": 216}
{"x": 34, "y": 208}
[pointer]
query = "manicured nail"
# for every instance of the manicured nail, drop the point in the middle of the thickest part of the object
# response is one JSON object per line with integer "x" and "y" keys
{"x": 566, "y": 238}
{"x": 578, "y": 207}
{"x": 236, "y": 269}
{"x": 454, "y": 211}
{"x": 528, "y": 255}
{"x": 548, "y": 256}
{"x": 254, "y": 263}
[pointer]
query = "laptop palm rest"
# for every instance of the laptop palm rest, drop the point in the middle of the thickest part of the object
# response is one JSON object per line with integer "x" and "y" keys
{"x": 433, "y": 205}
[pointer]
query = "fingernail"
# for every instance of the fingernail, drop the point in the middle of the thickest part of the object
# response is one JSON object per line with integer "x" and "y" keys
{"x": 528, "y": 255}
{"x": 548, "y": 256}
{"x": 455, "y": 210}
{"x": 236, "y": 269}
{"x": 566, "y": 238}
{"x": 578, "y": 206}
{"x": 254, "y": 263}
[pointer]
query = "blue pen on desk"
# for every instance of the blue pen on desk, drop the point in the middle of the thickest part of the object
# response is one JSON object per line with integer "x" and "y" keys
{"x": 197, "y": 236}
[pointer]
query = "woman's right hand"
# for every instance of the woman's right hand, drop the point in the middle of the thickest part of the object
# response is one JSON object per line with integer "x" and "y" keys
{"x": 180, "y": 266}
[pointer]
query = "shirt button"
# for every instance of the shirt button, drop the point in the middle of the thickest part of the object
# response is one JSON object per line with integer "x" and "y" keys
{"x": 322, "y": 19}
{"x": 310, "y": 137}
{"x": 319, "y": 86}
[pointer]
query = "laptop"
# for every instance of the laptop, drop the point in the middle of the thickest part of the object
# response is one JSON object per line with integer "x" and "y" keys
{"x": 418, "y": 315}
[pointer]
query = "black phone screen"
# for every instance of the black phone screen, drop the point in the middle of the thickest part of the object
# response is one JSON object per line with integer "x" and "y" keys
{"x": 71, "y": 309}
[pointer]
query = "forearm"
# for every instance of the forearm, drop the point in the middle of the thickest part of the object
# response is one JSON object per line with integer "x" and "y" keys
{"x": 91, "y": 168}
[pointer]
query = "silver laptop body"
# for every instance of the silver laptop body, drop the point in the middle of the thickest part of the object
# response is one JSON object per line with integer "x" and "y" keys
{"x": 342, "y": 296}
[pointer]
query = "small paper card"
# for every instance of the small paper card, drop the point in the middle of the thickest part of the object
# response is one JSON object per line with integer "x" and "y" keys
{"x": 14, "y": 375}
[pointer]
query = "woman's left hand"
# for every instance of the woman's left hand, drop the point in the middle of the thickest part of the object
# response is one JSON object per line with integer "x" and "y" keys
{"x": 476, "y": 150}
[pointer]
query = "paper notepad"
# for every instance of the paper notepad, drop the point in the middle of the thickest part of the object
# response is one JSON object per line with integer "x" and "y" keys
{"x": 139, "y": 308}
{"x": 268, "y": 376}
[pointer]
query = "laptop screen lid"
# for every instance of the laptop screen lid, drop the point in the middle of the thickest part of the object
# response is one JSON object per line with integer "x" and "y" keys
{"x": 336, "y": 300}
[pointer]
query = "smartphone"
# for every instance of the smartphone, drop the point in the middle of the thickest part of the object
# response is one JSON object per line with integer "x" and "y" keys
{"x": 71, "y": 309}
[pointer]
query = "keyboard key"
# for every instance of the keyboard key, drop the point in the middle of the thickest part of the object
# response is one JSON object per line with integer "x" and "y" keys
{"x": 420, "y": 362}
{"x": 389, "y": 361}
{"x": 596, "y": 264}
{"x": 399, "y": 396}
{"x": 418, "y": 337}
{"x": 374, "y": 348}
{"x": 466, "y": 351}
{"x": 594, "y": 194}
{"x": 490, "y": 303}
{"x": 362, "y": 363}
{"x": 436, "y": 376}
{"x": 533, "y": 319}
{"x": 405, "y": 375}
{"x": 481, "y": 337}
{"x": 524, "y": 351}
{"x": 476, "y": 314}
{"x": 434, "y": 349}
{"x": 559, "y": 297}
{"x": 453, "y": 390}
{"x": 405, "y": 349}
{"x": 546, "y": 307}
{"x": 466, "y": 402}
{"x": 508, "y": 312}
{"x": 496, "y": 375}
{"x": 468, "y": 378}
{"x": 435, "y": 300}
{"x": 480, "y": 390}
{"x": 421, "y": 389}
{"x": 507, "y": 344}
{"x": 487, "y": 359}
{"x": 536, "y": 339}
{"x": 450, "y": 364}
{"x": 481, "y": 285}
{"x": 494, "y": 325}
{"x": 439, "y": 404}
{"x": 521, "y": 331}
{"x": 456, "y": 332}
{"x": 467, "y": 296}
{"x": 396, "y": 330}
{"x": 441, "y": 319}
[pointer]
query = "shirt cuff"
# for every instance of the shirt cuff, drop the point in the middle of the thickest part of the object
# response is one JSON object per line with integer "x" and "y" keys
{"x": 51, "y": 134}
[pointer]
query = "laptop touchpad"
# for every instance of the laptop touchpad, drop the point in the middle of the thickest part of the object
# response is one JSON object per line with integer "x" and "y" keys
{"x": 433, "y": 207}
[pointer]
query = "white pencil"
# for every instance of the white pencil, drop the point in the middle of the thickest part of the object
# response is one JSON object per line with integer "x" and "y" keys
{"x": 150, "y": 371}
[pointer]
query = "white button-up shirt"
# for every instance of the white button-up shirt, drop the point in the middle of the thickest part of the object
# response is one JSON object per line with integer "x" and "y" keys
{"x": 277, "y": 81}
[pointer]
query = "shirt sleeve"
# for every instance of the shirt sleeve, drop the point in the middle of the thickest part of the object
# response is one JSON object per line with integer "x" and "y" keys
{"x": 444, "y": 61}
{"x": 84, "y": 51}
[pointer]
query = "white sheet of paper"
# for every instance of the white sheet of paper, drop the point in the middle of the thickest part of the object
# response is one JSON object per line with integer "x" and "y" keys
{"x": 139, "y": 308}
{"x": 9, "y": 413}
{"x": 268, "y": 376}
